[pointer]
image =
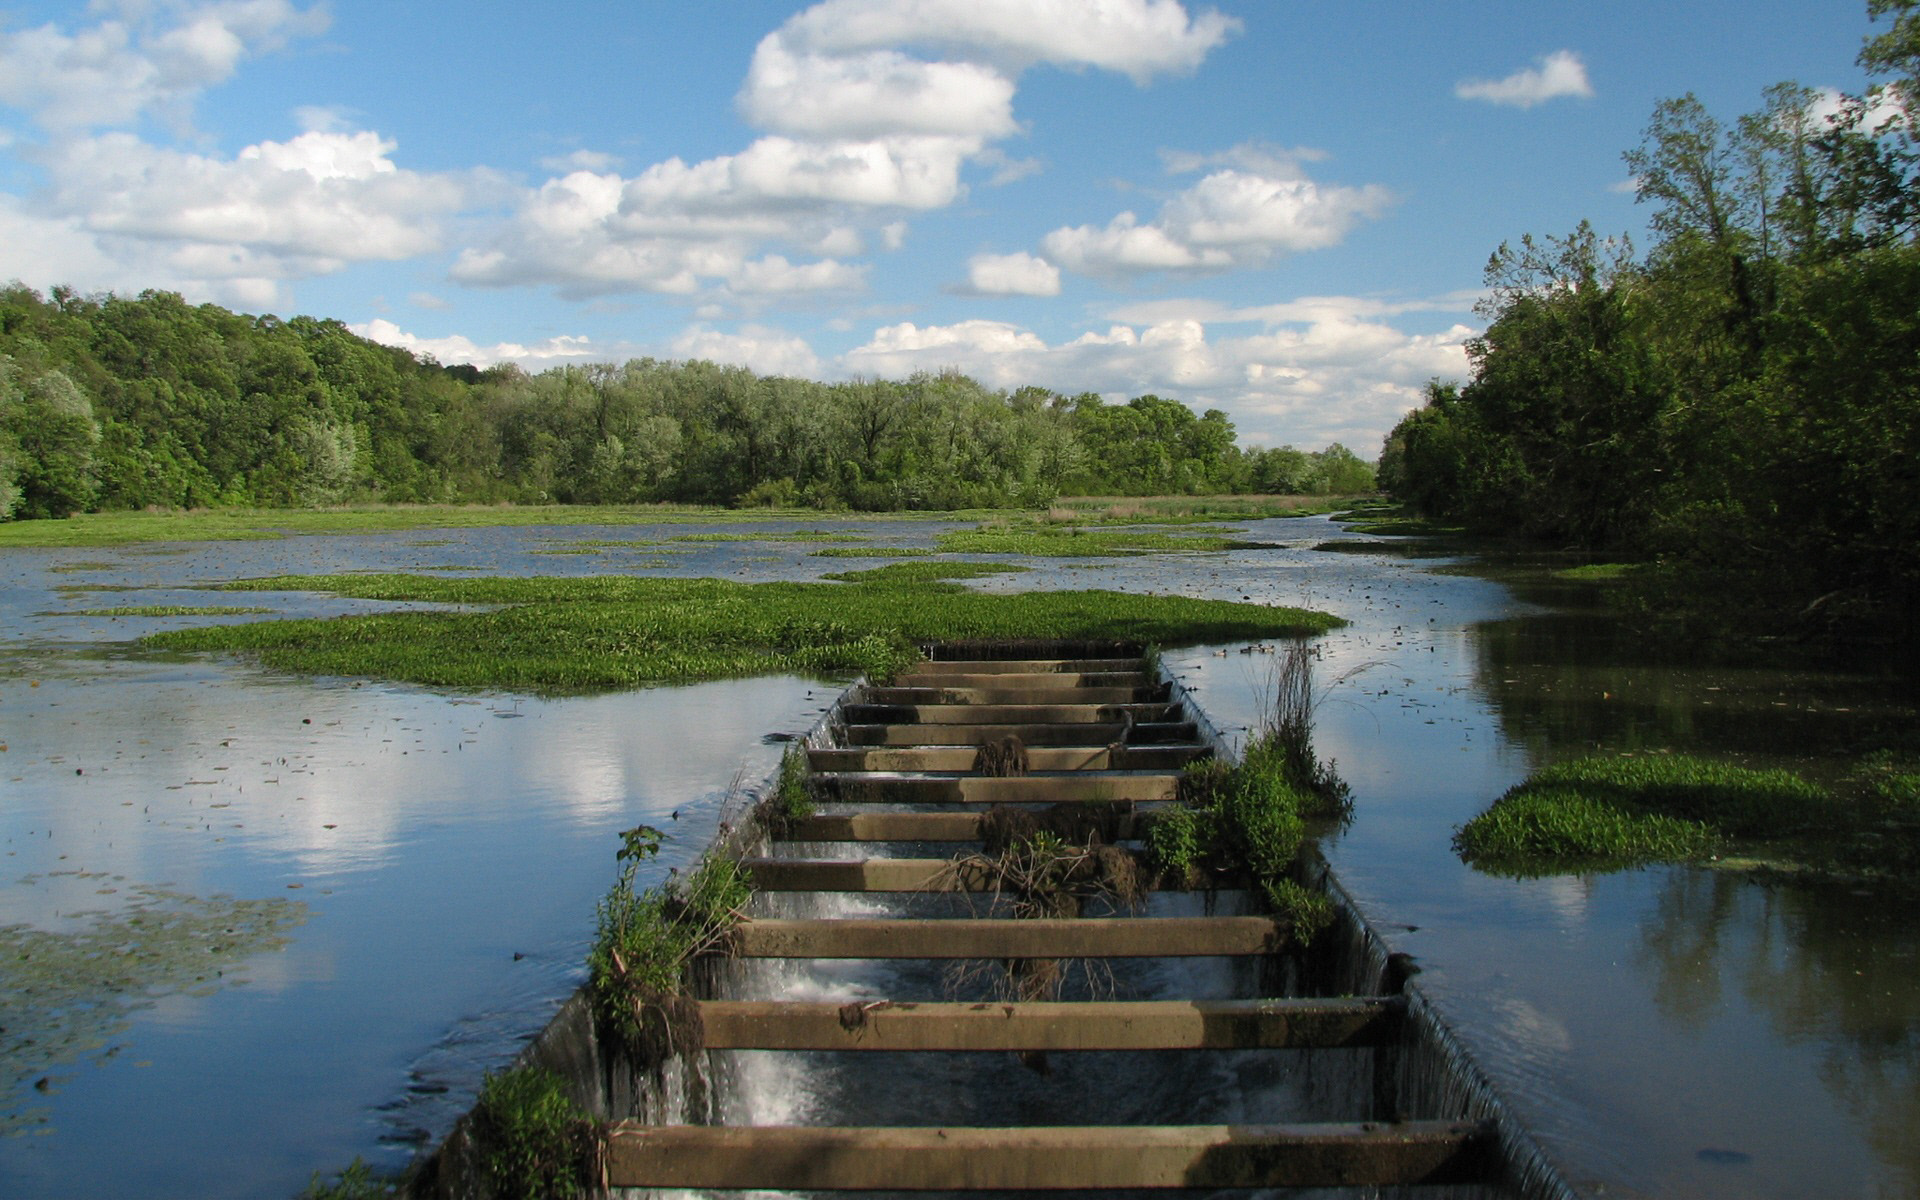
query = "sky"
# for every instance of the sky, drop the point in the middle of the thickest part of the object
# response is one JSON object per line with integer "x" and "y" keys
{"x": 1277, "y": 208}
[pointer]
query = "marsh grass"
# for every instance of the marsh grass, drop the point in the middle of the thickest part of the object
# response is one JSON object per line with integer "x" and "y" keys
{"x": 872, "y": 552}
{"x": 1187, "y": 510}
{"x": 927, "y": 573}
{"x": 173, "y": 610}
{"x": 1075, "y": 542}
{"x": 573, "y": 635}
{"x": 1604, "y": 812}
{"x": 1597, "y": 571}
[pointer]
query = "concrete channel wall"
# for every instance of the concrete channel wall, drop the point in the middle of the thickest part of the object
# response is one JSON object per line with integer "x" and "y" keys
{"x": 1421, "y": 1071}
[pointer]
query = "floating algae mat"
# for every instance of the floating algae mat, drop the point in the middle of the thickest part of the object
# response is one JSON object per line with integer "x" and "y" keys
{"x": 66, "y": 995}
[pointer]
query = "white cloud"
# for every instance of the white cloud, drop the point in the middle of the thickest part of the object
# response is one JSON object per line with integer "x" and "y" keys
{"x": 1019, "y": 274}
{"x": 113, "y": 72}
{"x": 874, "y": 94}
{"x": 581, "y": 160}
{"x": 1138, "y": 38}
{"x": 869, "y": 109}
{"x": 1320, "y": 370}
{"x": 457, "y": 348}
{"x": 766, "y": 351}
{"x": 277, "y": 210}
{"x": 1233, "y": 217}
{"x": 1558, "y": 74}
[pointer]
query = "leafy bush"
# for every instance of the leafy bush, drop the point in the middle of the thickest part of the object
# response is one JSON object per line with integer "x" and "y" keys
{"x": 534, "y": 1141}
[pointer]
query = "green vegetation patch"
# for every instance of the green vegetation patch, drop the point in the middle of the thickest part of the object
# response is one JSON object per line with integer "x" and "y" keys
{"x": 1597, "y": 571}
{"x": 926, "y": 573}
{"x": 174, "y": 610}
{"x": 569, "y": 635}
{"x": 1080, "y": 543}
{"x": 798, "y": 535}
{"x": 872, "y": 552}
{"x": 66, "y": 995}
{"x": 1605, "y": 812}
{"x": 533, "y": 1140}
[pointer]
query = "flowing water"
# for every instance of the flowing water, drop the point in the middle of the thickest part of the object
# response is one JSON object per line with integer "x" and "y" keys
{"x": 358, "y": 897}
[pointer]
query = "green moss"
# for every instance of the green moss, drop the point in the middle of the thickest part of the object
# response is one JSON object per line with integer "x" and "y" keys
{"x": 569, "y": 635}
{"x": 534, "y": 1141}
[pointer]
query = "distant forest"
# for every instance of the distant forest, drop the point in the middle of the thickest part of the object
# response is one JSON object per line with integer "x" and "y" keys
{"x": 111, "y": 402}
{"x": 1741, "y": 403}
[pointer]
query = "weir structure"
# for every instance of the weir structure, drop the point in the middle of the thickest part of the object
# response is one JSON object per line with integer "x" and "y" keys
{"x": 909, "y": 779}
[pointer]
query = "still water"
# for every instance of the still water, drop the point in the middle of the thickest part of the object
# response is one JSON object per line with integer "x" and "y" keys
{"x": 359, "y": 897}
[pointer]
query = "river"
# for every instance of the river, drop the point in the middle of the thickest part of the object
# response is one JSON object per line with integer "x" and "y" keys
{"x": 370, "y": 894}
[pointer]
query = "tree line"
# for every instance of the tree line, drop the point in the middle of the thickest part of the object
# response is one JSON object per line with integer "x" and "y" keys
{"x": 1741, "y": 402}
{"x": 113, "y": 402}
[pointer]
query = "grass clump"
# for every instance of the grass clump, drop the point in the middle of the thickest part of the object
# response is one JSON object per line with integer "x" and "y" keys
{"x": 1249, "y": 818}
{"x": 645, "y": 939}
{"x": 1597, "y": 571}
{"x": 572, "y": 635}
{"x": 534, "y": 1141}
{"x": 1606, "y": 812}
{"x": 356, "y": 1182}
{"x": 871, "y": 552}
{"x": 791, "y": 799}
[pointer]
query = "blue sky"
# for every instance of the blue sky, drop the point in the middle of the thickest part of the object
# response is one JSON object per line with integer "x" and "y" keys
{"x": 1278, "y": 209}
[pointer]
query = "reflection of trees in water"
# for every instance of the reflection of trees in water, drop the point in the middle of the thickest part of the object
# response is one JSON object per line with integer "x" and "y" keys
{"x": 65, "y": 996}
{"x": 1826, "y": 966}
{"x": 1569, "y": 682}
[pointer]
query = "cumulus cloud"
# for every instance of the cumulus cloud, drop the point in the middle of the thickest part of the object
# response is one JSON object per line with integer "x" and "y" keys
{"x": 1316, "y": 370}
{"x": 868, "y": 110}
{"x": 1019, "y": 274}
{"x": 276, "y": 210}
{"x": 1233, "y": 217}
{"x": 457, "y": 348}
{"x": 766, "y": 351}
{"x": 873, "y": 94}
{"x": 159, "y": 58}
{"x": 1558, "y": 74}
{"x": 1138, "y": 38}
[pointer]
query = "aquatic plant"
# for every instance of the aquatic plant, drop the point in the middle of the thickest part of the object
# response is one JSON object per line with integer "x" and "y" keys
{"x": 569, "y": 635}
{"x": 533, "y": 1141}
{"x": 1073, "y": 542}
{"x": 926, "y": 573}
{"x": 1616, "y": 810}
{"x": 644, "y": 940}
{"x": 791, "y": 798}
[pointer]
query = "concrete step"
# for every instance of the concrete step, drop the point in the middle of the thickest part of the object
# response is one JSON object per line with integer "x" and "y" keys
{"x": 887, "y": 827}
{"x": 1050, "y": 1026}
{"x": 1064, "y": 683}
{"x": 799, "y": 1158}
{"x": 972, "y": 937}
{"x": 940, "y": 668}
{"x": 1013, "y": 694}
{"x": 1006, "y": 714}
{"x": 923, "y": 827}
{"x": 1073, "y": 787}
{"x": 772, "y": 874}
{"x": 1039, "y": 758}
{"x": 1146, "y": 733}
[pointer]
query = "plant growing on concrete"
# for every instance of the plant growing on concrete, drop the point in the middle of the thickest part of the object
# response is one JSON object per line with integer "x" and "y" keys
{"x": 1248, "y": 819}
{"x": 645, "y": 938}
{"x": 791, "y": 799}
{"x": 533, "y": 1140}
